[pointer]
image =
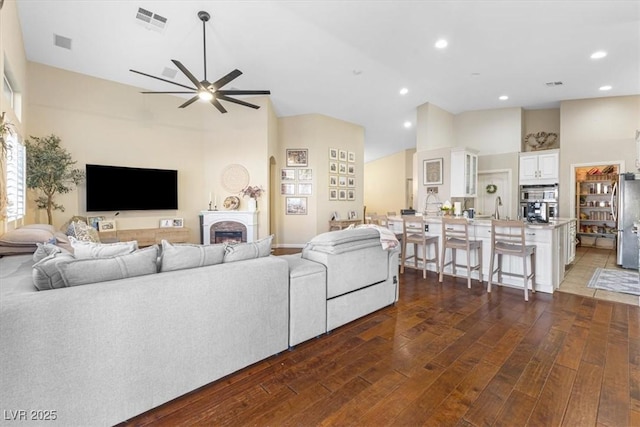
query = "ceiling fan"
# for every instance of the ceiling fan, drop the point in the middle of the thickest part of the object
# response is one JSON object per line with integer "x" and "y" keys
{"x": 205, "y": 90}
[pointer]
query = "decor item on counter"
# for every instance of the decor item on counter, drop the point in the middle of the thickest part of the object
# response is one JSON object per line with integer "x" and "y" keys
{"x": 615, "y": 280}
{"x": 231, "y": 203}
{"x": 205, "y": 90}
{"x": 178, "y": 222}
{"x": 234, "y": 178}
{"x": 492, "y": 188}
{"x": 166, "y": 223}
{"x": 106, "y": 225}
{"x": 297, "y": 157}
{"x": 446, "y": 208}
{"x": 432, "y": 171}
{"x": 50, "y": 171}
{"x": 94, "y": 220}
{"x": 541, "y": 140}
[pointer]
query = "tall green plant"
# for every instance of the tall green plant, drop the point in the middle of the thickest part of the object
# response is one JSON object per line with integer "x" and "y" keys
{"x": 50, "y": 171}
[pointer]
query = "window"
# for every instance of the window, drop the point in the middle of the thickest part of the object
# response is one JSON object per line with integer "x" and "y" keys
{"x": 16, "y": 176}
{"x": 7, "y": 91}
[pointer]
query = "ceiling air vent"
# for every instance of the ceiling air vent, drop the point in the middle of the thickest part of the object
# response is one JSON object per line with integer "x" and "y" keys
{"x": 150, "y": 20}
{"x": 63, "y": 42}
{"x": 169, "y": 72}
{"x": 553, "y": 84}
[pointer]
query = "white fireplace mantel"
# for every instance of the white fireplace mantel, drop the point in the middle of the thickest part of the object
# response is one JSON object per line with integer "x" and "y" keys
{"x": 247, "y": 218}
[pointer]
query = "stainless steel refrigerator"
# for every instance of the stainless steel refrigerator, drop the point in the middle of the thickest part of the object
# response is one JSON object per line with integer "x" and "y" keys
{"x": 628, "y": 212}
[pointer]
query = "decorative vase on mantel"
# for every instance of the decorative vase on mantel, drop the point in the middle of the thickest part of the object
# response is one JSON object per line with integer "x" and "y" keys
{"x": 253, "y": 204}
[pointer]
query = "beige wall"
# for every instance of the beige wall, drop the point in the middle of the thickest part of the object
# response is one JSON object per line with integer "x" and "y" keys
{"x": 108, "y": 123}
{"x": 13, "y": 61}
{"x": 544, "y": 120}
{"x": 318, "y": 133}
{"x": 434, "y": 128}
{"x": 596, "y": 130}
{"x": 489, "y": 131}
{"x": 385, "y": 186}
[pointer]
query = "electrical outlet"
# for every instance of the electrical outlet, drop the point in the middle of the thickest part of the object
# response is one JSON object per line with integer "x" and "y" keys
{"x": 432, "y": 190}
{"x": 426, "y": 228}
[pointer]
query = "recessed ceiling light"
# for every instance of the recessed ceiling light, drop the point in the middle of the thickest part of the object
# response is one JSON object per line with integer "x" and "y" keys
{"x": 599, "y": 54}
{"x": 407, "y": 124}
{"x": 404, "y": 91}
{"x": 606, "y": 87}
{"x": 441, "y": 44}
{"x": 503, "y": 97}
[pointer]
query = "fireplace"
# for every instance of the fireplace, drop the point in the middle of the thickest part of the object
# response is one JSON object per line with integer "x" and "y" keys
{"x": 228, "y": 226}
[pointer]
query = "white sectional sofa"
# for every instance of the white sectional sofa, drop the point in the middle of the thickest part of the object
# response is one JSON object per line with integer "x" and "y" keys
{"x": 101, "y": 353}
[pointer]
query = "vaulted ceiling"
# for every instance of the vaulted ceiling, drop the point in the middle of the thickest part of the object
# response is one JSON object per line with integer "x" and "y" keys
{"x": 349, "y": 59}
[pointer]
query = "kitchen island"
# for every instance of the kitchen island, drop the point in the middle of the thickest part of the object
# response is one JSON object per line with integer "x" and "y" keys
{"x": 554, "y": 242}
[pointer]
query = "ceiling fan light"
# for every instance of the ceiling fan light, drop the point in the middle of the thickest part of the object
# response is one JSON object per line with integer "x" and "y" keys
{"x": 205, "y": 95}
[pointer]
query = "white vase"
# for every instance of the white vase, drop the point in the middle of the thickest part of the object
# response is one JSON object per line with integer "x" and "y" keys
{"x": 253, "y": 204}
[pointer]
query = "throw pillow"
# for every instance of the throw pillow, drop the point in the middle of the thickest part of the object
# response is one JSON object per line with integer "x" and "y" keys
{"x": 95, "y": 270}
{"x": 248, "y": 250}
{"x": 43, "y": 250}
{"x": 84, "y": 249}
{"x": 81, "y": 231}
{"x": 25, "y": 237}
{"x": 184, "y": 255}
{"x": 45, "y": 272}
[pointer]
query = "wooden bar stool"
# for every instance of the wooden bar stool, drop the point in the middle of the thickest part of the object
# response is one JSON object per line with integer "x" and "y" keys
{"x": 413, "y": 233}
{"x": 507, "y": 238}
{"x": 455, "y": 235}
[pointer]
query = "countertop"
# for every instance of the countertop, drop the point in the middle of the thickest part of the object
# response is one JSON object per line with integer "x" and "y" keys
{"x": 552, "y": 224}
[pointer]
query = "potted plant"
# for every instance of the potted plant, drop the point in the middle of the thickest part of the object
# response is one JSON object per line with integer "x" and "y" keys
{"x": 6, "y": 128}
{"x": 446, "y": 208}
{"x": 50, "y": 171}
{"x": 253, "y": 193}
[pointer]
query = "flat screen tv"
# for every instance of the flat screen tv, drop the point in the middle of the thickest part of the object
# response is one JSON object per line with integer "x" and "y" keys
{"x": 117, "y": 188}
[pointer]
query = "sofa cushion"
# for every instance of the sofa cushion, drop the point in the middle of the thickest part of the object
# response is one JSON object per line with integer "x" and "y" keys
{"x": 340, "y": 237}
{"x": 25, "y": 237}
{"x": 248, "y": 250}
{"x": 45, "y": 272}
{"x": 184, "y": 255}
{"x": 86, "y": 249}
{"x": 94, "y": 270}
{"x": 43, "y": 250}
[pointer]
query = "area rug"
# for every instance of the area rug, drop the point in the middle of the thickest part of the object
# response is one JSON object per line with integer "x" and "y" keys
{"x": 627, "y": 282}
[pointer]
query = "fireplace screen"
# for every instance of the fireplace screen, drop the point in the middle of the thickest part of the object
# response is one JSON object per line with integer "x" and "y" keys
{"x": 228, "y": 232}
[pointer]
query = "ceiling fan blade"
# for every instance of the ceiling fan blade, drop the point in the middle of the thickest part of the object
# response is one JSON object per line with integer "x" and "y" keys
{"x": 219, "y": 106}
{"x": 237, "y": 101}
{"x": 160, "y": 78}
{"x": 189, "y": 102}
{"x": 168, "y": 92}
{"x": 188, "y": 74}
{"x": 226, "y": 79}
{"x": 244, "y": 92}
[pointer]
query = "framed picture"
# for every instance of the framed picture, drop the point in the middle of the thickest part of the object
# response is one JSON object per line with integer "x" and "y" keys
{"x": 166, "y": 223}
{"x": 432, "y": 169}
{"x": 106, "y": 225}
{"x": 351, "y": 181}
{"x": 335, "y": 216}
{"x": 333, "y": 154}
{"x": 297, "y": 157}
{"x": 296, "y": 205}
{"x": 178, "y": 222}
{"x": 333, "y": 194}
{"x": 342, "y": 168}
{"x": 351, "y": 157}
{"x": 288, "y": 189}
{"x": 305, "y": 188}
{"x": 351, "y": 194}
{"x": 352, "y": 215}
{"x": 342, "y": 194}
{"x": 333, "y": 167}
{"x": 288, "y": 174}
{"x": 342, "y": 181}
{"x": 94, "y": 220}
{"x": 333, "y": 180}
{"x": 342, "y": 155}
{"x": 305, "y": 174}
{"x": 351, "y": 169}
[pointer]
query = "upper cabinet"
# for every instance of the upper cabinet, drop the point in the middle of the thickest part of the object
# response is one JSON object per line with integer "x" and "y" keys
{"x": 539, "y": 168}
{"x": 464, "y": 173}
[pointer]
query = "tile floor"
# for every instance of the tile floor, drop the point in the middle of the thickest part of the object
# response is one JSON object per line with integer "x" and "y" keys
{"x": 579, "y": 273}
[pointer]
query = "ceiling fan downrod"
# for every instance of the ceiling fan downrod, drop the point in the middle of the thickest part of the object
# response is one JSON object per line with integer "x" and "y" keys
{"x": 204, "y": 17}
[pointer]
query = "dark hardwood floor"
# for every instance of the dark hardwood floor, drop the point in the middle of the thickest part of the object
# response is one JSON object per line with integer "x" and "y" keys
{"x": 444, "y": 355}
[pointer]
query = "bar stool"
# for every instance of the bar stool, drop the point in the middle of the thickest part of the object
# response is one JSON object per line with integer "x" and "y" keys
{"x": 380, "y": 220}
{"x": 413, "y": 232}
{"x": 507, "y": 238}
{"x": 455, "y": 235}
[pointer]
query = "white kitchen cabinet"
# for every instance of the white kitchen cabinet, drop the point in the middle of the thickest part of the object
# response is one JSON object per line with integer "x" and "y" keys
{"x": 539, "y": 168}
{"x": 464, "y": 173}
